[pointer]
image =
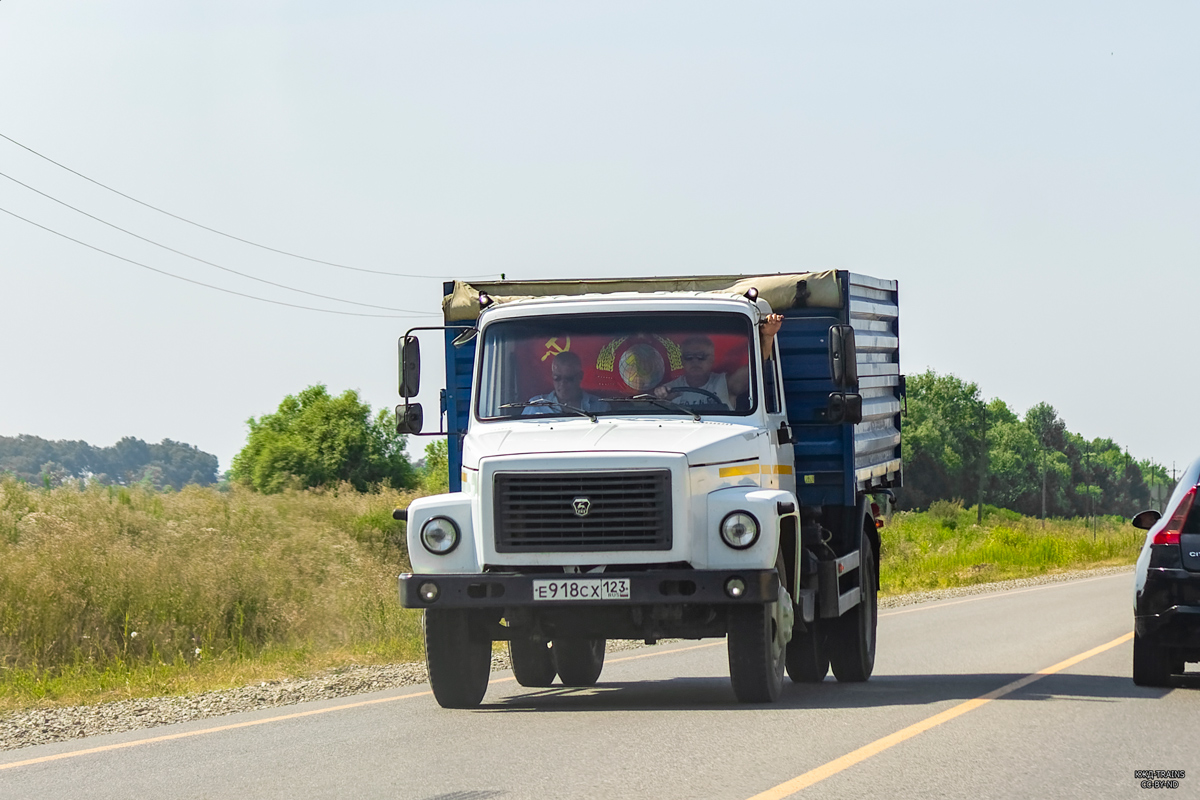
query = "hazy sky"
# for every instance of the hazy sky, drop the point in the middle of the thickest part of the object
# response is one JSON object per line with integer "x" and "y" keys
{"x": 1029, "y": 172}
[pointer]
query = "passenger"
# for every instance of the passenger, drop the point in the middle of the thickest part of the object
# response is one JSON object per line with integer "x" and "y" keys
{"x": 566, "y": 370}
{"x": 699, "y": 355}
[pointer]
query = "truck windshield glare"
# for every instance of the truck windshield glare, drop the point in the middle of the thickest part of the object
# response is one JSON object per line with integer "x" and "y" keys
{"x": 665, "y": 364}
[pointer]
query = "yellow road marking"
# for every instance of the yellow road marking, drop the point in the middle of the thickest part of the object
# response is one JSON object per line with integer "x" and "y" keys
{"x": 879, "y": 745}
{"x": 664, "y": 652}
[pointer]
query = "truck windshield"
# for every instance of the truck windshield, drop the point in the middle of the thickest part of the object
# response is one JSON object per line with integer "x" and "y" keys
{"x": 661, "y": 364}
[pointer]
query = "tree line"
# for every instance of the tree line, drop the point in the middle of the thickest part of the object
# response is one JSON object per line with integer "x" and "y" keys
{"x": 958, "y": 446}
{"x": 130, "y": 461}
{"x": 313, "y": 439}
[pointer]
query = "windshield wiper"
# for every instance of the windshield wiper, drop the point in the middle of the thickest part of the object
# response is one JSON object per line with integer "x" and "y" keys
{"x": 669, "y": 405}
{"x": 554, "y": 403}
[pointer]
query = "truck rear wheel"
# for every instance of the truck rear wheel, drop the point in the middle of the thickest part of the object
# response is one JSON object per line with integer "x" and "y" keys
{"x": 807, "y": 659}
{"x": 459, "y": 662}
{"x": 578, "y": 661}
{"x": 851, "y": 639}
{"x": 532, "y": 662}
{"x": 1151, "y": 666}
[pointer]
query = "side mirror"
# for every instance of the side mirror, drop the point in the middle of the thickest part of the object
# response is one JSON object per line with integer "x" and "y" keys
{"x": 843, "y": 356}
{"x": 844, "y": 408}
{"x": 1146, "y": 519}
{"x": 410, "y": 367}
{"x": 409, "y": 418}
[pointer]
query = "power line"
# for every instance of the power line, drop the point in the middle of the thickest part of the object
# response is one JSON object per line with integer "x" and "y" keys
{"x": 194, "y": 258}
{"x": 209, "y": 285}
{"x": 214, "y": 230}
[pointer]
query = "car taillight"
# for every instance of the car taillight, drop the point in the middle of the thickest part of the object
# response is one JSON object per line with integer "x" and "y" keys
{"x": 1174, "y": 527}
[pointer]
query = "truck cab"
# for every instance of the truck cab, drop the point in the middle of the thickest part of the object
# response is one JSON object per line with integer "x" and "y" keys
{"x": 625, "y": 466}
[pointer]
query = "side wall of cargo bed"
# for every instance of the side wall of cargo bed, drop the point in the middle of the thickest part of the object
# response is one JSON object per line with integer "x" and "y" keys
{"x": 456, "y": 398}
{"x": 835, "y": 462}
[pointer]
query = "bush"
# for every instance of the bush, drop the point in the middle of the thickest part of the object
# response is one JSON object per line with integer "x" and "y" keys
{"x": 946, "y": 512}
{"x": 315, "y": 439}
{"x": 435, "y": 476}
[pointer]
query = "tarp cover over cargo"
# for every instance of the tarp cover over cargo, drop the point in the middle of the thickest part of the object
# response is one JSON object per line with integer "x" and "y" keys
{"x": 782, "y": 292}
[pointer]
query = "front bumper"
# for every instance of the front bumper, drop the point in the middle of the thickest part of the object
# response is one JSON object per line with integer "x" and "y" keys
{"x": 660, "y": 587}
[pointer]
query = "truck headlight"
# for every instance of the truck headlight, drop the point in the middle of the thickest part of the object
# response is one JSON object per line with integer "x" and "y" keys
{"x": 439, "y": 535}
{"x": 739, "y": 530}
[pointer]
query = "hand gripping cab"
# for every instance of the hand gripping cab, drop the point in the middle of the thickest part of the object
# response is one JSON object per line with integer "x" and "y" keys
{"x": 646, "y": 459}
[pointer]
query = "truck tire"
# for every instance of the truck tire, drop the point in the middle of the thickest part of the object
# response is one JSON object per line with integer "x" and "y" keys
{"x": 532, "y": 662}
{"x": 1151, "y": 663}
{"x": 459, "y": 662}
{"x": 807, "y": 656}
{"x": 757, "y": 654}
{"x": 578, "y": 661}
{"x": 851, "y": 639}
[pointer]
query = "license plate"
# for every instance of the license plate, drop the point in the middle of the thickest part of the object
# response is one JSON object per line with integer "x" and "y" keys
{"x": 582, "y": 589}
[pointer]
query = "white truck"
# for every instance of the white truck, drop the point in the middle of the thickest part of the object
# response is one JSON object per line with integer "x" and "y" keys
{"x": 643, "y": 459}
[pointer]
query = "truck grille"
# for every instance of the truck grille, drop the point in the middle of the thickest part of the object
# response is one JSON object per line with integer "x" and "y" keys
{"x": 541, "y": 511}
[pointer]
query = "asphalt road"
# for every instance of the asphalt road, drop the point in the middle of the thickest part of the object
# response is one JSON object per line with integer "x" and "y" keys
{"x": 1023, "y": 693}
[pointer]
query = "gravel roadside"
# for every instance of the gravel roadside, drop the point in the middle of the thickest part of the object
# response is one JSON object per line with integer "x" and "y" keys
{"x": 45, "y": 725}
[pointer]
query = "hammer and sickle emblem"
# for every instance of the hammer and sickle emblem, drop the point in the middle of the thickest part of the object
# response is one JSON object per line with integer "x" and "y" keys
{"x": 582, "y": 506}
{"x": 553, "y": 348}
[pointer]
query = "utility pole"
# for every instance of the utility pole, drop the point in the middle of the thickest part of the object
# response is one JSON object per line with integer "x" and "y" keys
{"x": 1043, "y": 487}
{"x": 1126, "y": 483}
{"x": 1091, "y": 494}
{"x": 983, "y": 465}
{"x": 1087, "y": 465}
{"x": 1158, "y": 489}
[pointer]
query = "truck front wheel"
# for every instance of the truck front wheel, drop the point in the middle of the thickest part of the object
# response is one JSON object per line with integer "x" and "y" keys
{"x": 756, "y": 653}
{"x": 532, "y": 662}
{"x": 852, "y": 636}
{"x": 459, "y": 661}
{"x": 758, "y": 639}
{"x": 579, "y": 661}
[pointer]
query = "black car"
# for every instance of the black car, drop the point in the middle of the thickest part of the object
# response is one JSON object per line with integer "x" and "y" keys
{"x": 1166, "y": 603}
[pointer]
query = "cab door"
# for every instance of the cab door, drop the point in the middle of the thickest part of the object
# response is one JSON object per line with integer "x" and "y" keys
{"x": 778, "y": 466}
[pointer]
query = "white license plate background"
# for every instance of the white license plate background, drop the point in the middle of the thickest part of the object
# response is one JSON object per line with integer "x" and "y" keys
{"x": 582, "y": 589}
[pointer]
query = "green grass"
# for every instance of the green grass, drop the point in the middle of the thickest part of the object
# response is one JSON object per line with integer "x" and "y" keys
{"x": 944, "y": 547}
{"x": 108, "y": 593}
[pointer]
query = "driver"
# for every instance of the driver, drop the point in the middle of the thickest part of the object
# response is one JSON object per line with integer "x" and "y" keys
{"x": 566, "y": 370}
{"x": 699, "y": 355}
